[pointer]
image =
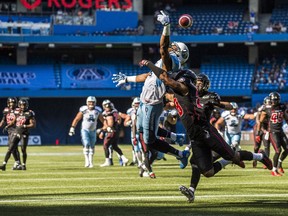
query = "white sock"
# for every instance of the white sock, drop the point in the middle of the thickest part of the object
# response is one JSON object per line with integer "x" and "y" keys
{"x": 192, "y": 189}
{"x": 224, "y": 162}
{"x": 257, "y": 156}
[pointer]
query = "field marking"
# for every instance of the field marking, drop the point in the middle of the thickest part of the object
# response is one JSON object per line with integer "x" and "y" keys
{"x": 141, "y": 198}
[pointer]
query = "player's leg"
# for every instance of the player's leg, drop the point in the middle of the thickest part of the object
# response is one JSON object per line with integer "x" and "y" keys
{"x": 276, "y": 140}
{"x": 13, "y": 143}
{"x": 235, "y": 142}
{"x": 86, "y": 143}
{"x": 257, "y": 144}
{"x": 91, "y": 148}
{"x": 107, "y": 142}
{"x": 284, "y": 154}
{"x": 24, "y": 140}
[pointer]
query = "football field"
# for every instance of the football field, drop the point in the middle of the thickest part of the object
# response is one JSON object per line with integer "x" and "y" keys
{"x": 56, "y": 183}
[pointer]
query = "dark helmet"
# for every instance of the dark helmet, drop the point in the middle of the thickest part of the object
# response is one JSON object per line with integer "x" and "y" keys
{"x": 12, "y": 100}
{"x": 187, "y": 74}
{"x": 267, "y": 100}
{"x": 23, "y": 102}
{"x": 275, "y": 98}
{"x": 205, "y": 80}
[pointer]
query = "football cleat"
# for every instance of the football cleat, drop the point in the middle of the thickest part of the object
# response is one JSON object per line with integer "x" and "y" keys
{"x": 266, "y": 161}
{"x": 275, "y": 173}
{"x": 281, "y": 170}
{"x": 141, "y": 172}
{"x": 124, "y": 160}
{"x": 254, "y": 164}
{"x": 24, "y": 167}
{"x": 152, "y": 175}
{"x": 241, "y": 164}
{"x": 105, "y": 164}
{"x": 17, "y": 167}
{"x": 184, "y": 159}
{"x": 3, "y": 167}
{"x": 180, "y": 139}
{"x": 188, "y": 193}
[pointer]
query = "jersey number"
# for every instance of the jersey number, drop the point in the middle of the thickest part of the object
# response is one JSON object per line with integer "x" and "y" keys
{"x": 178, "y": 107}
{"x": 277, "y": 117}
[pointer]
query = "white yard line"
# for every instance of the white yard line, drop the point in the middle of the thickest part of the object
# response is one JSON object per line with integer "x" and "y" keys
{"x": 133, "y": 198}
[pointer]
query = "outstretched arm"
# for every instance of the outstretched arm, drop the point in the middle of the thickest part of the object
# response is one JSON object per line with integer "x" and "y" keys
{"x": 121, "y": 78}
{"x": 163, "y": 76}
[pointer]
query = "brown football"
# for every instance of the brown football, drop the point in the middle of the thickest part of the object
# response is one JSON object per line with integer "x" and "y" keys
{"x": 185, "y": 21}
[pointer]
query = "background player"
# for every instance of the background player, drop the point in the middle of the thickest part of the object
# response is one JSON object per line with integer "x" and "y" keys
{"x": 89, "y": 114}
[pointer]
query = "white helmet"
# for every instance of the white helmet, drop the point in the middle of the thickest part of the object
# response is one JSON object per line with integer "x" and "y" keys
{"x": 182, "y": 51}
{"x": 234, "y": 105}
{"x": 91, "y": 98}
{"x": 107, "y": 103}
{"x": 136, "y": 100}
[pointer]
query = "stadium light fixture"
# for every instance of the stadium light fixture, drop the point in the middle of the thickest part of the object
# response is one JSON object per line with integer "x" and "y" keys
{"x": 220, "y": 44}
{"x": 108, "y": 45}
{"x": 249, "y": 43}
{"x": 51, "y": 45}
{"x": 273, "y": 44}
{"x": 136, "y": 44}
{"x": 23, "y": 44}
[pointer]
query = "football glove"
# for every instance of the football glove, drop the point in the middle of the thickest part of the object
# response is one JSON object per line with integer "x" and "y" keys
{"x": 119, "y": 78}
{"x": 163, "y": 18}
{"x": 258, "y": 139}
{"x": 72, "y": 131}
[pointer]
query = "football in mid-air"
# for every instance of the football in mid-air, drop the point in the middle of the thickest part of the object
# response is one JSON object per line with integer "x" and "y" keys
{"x": 185, "y": 21}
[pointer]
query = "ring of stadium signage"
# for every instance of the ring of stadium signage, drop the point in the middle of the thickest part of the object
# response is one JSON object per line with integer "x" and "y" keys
{"x": 85, "y": 4}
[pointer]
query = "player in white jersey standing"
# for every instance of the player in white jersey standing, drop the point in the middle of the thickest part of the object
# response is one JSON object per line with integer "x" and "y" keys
{"x": 89, "y": 114}
{"x": 173, "y": 56}
{"x": 233, "y": 122}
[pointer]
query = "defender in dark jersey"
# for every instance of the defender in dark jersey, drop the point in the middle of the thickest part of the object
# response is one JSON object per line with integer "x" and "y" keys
{"x": 25, "y": 120}
{"x": 110, "y": 133}
{"x": 264, "y": 132}
{"x": 8, "y": 117}
{"x": 203, "y": 136}
{"x": 276, "y": 114}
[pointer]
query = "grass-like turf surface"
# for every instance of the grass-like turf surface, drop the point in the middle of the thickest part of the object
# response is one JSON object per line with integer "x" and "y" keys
{"x": 56, "y": 183}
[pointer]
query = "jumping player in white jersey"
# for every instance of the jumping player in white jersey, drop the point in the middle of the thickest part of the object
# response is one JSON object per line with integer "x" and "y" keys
{"x": 89, "y": 114}
{"x": 173, "y": 56}
{"x": 233, "y": 122}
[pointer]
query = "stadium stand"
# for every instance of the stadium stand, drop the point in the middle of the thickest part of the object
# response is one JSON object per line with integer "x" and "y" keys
{"x": 228, "y": 73}
{"x": 227, "y": 19}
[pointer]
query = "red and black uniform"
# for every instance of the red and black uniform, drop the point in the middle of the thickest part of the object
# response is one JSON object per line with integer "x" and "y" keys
{"x": 112, "y": 136}
{"x": 203, "y": 136}
{"x": 264, "y": 134}
{"x": 8, "y": 117}
{"x": 21, "y": 132}
{"x": 276, "y": 114}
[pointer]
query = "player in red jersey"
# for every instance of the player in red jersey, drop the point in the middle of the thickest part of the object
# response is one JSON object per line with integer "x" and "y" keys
{"x": 203, "y": 136}
{"x": 110, "y": 133}
{"x": 25, "y": 120}
{"x": 264, "y": 131}
{"x": 8, "y": 117}
{"x": 276, "y": 114}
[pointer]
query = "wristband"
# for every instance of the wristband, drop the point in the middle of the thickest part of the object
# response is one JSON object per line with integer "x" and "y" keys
{"x": 131, "y": 79}
{"x": 166, "y": 30}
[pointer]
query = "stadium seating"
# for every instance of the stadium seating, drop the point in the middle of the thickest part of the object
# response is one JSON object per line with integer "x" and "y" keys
{"x": 279, "y": 15}
{"x": 208, "y": 17}
{"x": 228, "y": 73}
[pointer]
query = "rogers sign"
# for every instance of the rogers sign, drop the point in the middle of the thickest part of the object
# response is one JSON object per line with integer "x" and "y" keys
{"x": 87, "y": 4}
